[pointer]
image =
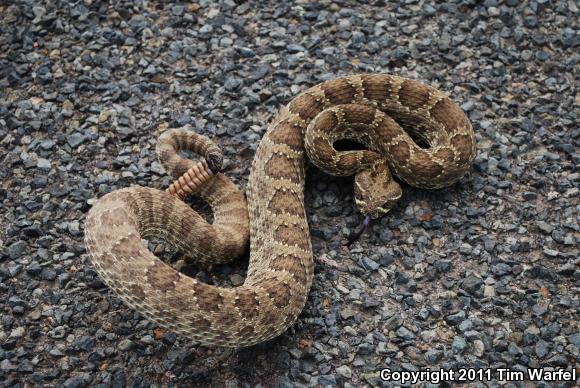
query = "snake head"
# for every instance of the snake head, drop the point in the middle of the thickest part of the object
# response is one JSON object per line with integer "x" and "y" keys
{"x": 375, "y": 190}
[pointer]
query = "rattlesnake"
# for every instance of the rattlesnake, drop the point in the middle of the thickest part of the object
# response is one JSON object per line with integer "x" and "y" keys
{"x": 406, "y": 127}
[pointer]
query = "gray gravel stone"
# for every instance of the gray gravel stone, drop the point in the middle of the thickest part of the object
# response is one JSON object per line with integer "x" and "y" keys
{"x": 344, "y": 371}
{"x": 575, "y": 339}
{"x": 471, "y": 284}
{"x": 43, "y": 164}
{"x": 327, "y": 381}
{"x": 544, "y": 227}
{"x": 126, "y": 345}
{"x": 456, "y": 319}
{"x": 542, "y": 349}
{"x": 17, "y": 249}
{"x": 75, "y": 139}
{"x": 369, "y": 264}
{"x": 501, "y": 269}
{"x": 433, "y": 356}
{"x": 7, "y": 366}
{"x": 17, "y": 332}
{"x": 459, "y": 344}
{"x": 237, "y": 280}
{"x": 478, "y": 348}
{"x": 405, "y": 334}
{"x": 393, "y": 322}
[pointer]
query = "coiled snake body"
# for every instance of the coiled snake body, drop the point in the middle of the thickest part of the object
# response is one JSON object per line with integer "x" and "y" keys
{"x": 408, "y": 128}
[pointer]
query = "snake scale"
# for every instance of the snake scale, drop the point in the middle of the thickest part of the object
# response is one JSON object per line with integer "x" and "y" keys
{"x": 407, "y": 128}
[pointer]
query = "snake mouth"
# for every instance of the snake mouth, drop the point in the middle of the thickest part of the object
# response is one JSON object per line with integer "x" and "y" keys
{"x": 379, "y": 212}
{"x": 376, "y": 212}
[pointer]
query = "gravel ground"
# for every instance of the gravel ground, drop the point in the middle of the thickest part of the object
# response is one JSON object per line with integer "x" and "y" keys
{"x": 482, "y": 274}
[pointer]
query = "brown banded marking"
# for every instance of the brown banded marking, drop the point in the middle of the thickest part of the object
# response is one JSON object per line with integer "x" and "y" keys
{"x": 136, "y": 291}
{"x": 247, "y": 304}
{"x": 226, "y": 315}
{"x": 200, "y": 323}
{"x": 385, "y": 128}
{"x": 235, "y": 215}
{"x": 355, "y": 114}
{"x": 207, "y": 297}
{"x": 126, "y": 248}
{"x": 434, "y": 99}
{"x": 166, "y": 212}
{"x": 306, "y": 106}
{"x": 322, "y": 144}
{"x": 291, "y": 235}
{"x": 325, "y": 122}
{"x": 115, "y": 218}
{"x": 246, "y": 331}
{"x": 413, "y": 94}
{"x": 294, "y": 119}
{"x": 399, "y": 148}
{"x": 286, "y": 132}
{"x": 279, "y": 292}
{"x": 444, "y": 154}
{"x": 395, "y": 87}
{"x": 338, "y": 91}
{"x": 287, "y": 184}
{"x": 349, "y": 161}
{"x": 449, "y": 115}
{"x": 318, "y": 93}
{"x": 280, "y": 166}
{"x": 291, "y": 264}
{"x": 434, "y": 156}
{"x": 154, "y": 211}
{"x": 284, "y": 149}
{"x": 376, "y": 88}
{"x": 182, "y": 287}
{"x": 106, "y": 260}
{"x": 356, "y": 82}
{"x": 284, "y": 202}
{"x": 426, "y": 166}
{"x": 379, "y": 120}
{"x": 217, "y": 192}
{"x": 462, "y": 144}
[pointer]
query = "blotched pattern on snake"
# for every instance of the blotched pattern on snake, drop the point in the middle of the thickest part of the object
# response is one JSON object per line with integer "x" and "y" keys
{"x": 407, "y": 128}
